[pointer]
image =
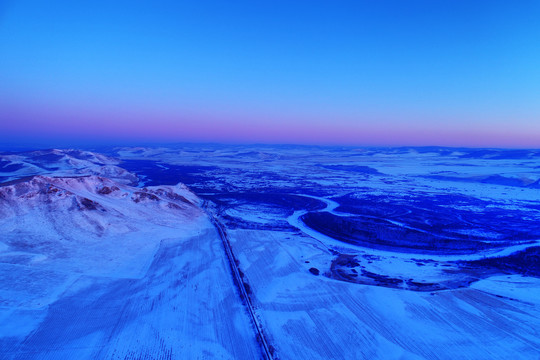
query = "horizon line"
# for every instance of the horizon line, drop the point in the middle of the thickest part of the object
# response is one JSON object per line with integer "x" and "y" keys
{"x": 65, "y": 144}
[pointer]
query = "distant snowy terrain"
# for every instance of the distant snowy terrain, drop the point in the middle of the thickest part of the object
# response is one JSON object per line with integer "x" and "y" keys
{"x": 59, "y": 163}
{"x": 343, "y": 253}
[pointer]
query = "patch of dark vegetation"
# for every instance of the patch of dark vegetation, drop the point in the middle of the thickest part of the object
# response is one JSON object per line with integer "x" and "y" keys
{"x": 272, "y": 350}
{"x": 314, "y": 271}
{"x": 52, "y": 189}
{"x": 346, "y": 267}
{"x": 342, "y": 274}
{"x": 532, "y": 206}
{"x": 424, "y": 286}
{"x": 281, "y": 205}
{"x": 87, "y": 204}
{"x": 379, "y": 233}
{"x": 346, "y": 260}
{"x": 140, "y": 195}
{"x": 534, "y": 185}
{"x": 334, "y": 252}
{"x": 81, "y": 155}
{"x": 8, "y": 166}
{"x": 382, "y": 279}
{"x": 247, "y": 288}
{"x": 446, "y": 215}
{"x": 29, "y": 244}
{"x": 17, "y": 181}
{"x": 238, "y": 223}
{"x": 46, "y": 158}
{"x": 107, "y": 190}
{"x": 178, "y": 197}
{"x": 171, "y": 205}
{"x": 424, "y": 262}
{"x": 526, "y": 262}
{"x": 157, "y": 173}
{"x": 491, "y": 179}
{"x": 289, "y": 202}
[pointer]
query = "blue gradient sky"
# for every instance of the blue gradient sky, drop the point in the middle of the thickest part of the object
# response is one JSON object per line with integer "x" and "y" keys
{"x": 463, "y": 73}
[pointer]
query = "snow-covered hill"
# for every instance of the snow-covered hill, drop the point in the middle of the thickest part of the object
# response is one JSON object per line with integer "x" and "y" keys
{"x": 91, "y": 225}
{"x": 91, "y": 268}
{"x": 59, "y": 163}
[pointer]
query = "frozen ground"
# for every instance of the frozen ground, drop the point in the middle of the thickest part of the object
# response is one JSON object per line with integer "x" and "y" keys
{"x": 403, "y": 261}
{"x": 93, "y": 269}
{"x": 317, "y": 317}
{"x": 345, "y": 253}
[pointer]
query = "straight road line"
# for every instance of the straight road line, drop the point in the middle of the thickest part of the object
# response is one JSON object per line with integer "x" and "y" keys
{"x": 265, "y": 347}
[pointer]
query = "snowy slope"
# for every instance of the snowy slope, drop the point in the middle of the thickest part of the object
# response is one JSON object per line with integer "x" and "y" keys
{"x": 92, "y": 268}
{"x": 55, "y": 162}
{"x": 89, "y": 219}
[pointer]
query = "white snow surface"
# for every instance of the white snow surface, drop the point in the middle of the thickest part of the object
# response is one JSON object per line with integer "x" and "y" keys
{"x": 94, "y": 269}
{"x": 139, "y": 278}
{"x": 318, "y": 317}
{"x": 315, "y": 317}
{"x": 58, "y": 163}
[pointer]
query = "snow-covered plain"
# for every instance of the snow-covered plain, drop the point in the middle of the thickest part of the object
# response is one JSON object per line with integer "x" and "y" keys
{"x": 316, "y": 317}
{"x": 386, "y": 303}
{"x": 141, "y": 272}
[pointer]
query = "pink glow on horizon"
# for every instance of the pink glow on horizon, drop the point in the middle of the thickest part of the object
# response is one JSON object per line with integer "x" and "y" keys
{"x": 165, "y": 125}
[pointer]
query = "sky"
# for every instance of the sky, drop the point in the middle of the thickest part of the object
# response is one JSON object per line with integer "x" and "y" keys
{"x": 374, "y": 73}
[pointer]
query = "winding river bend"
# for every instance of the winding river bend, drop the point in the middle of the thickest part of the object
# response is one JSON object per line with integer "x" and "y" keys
{"x": 296, "y": 220}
